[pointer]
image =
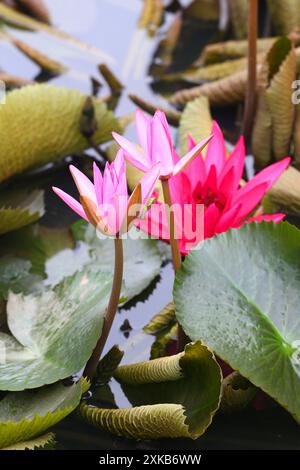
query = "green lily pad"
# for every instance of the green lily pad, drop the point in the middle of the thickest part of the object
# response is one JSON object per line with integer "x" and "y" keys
{"x": 52, "y": 332}
{"x": 173, "y": 396}
{"x": 142, "y": 260}
{"x": 57, "y": 292}
{"x": 25, "y": 415}
{"x": 20, "y": 208}
{"x": 243, "y": 302}
{"x": 41, "y": 124}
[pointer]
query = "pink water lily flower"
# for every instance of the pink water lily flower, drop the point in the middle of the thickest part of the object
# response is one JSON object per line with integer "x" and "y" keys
{"x": 214, "y": 181}
{"x": 105, "y": 203}
{"x": 156, "y": 146}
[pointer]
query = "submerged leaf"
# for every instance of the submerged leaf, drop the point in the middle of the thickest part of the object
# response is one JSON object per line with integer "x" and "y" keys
{"x": 40, "y": 123}
{"x": 24, "y": 415}
{"x": 173, "y": 396}
{"x": 243, "y": 287}
{"x": 20, "y": 208}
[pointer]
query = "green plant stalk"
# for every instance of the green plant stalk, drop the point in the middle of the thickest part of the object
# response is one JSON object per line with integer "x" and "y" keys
{"x": 176, "y": 255}
{"x": 91, "y": 367}
{"x": 251, "y": 85}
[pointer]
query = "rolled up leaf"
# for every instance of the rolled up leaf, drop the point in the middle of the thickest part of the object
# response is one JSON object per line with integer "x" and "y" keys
{"x": 285, "y": 15}
{"x": 173, "y": 397}
{"x": 239, "y": 17}
{"x": 196, "y": 120}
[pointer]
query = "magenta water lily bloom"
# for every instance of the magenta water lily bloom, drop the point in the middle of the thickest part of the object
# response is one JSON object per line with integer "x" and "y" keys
{"x": 156, "y": 146}
{"x": 105, "y": 203}
{"x": 213, "y": 182}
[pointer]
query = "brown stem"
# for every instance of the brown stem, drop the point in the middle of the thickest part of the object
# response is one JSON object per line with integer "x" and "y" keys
{"x": 173, "y": 238}
{"x": 91, "y": 367}
{"x": 251, "y": 85}
{"x": 181, "y": 337}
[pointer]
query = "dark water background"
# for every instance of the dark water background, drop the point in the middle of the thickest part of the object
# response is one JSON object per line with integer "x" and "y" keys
{"x": 111, "y": 26}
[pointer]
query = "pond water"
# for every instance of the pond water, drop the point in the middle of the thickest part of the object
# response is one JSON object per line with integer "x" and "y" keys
{"x": 111, "y": 26}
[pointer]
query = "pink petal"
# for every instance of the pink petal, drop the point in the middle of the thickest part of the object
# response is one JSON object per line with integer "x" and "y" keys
{"x": 268, "y": 176}
{"x": 142, "y": 125}
{"x": 216, "y": 151}
{"x": 162, "y": 117}
{"x": 71, "y": 202}
{"x": 149, "y": 181}
{"x": 211, "y": 217}
{"x": 132, "y": 154}
{"x": 155, "y": 222}
{"x": 279, "y": 217}
{"x": 84, "y": 185}
{"x": 227, "y": 219}
{"x": 161, "y": 150}
{"x": 118, "y": 165}
{"x": 249, "y": 200}
{"x": 98, "y": 183}
{"x": 191, "y": 155}
{"x": 236, "y": 160}
{"x": 108, "y": 185}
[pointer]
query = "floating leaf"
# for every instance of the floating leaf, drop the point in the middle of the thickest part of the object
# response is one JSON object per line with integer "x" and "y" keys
{"x": 52, "y": 332}
{"x": 238, "y": 393}
{"x": 243, "y": 287}
{"x": 25, "y": 415}
{"x": 163, "y": 339}
{"x": 296, "y": 135}
{"x": 172, "y": 116}
{"x": 239, "y": 17}
{"x": 173, "y": 396}
{"x": 142, "y": 260}
{"x": 11, "y": 17}
{"x": 20, "y": 208}
{"x": 45, "y": 442}
{"x": 285, "y": 193}
{"x": 285, "y": 15}
{"x": 230, "y": 50}
{"x": 196, "y": 120}
{"x": 228, "y": 90}
{"x": 42, "y": 60}
{"x": 40, "y": 123}
{"x": 35, "y": 8}
{"x": 208, "y": 73}
{"x": 161, "y": 321}
{"x": 207, "y": 10}
{"x": 152, "y": 16}
{"x": 275, "y": 117}
{"x": 14, "y": 81}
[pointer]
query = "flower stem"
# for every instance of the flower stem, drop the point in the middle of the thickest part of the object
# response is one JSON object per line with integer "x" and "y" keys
{"x": 251, "y": 85}
{"x": 176, "y": 256}
{"x": 91, "y": 367}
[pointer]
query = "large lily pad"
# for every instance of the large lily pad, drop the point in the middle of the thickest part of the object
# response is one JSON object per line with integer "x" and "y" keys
{"x": 57, "y": 292}
{"x": 52, "y": 332}
{"x": 172, "y": 397}
{"x": 24, "y": 415}
{"x": 41, "y": 123}
{"x": 243, "y": 302}
{"x": 142, "y": 260}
